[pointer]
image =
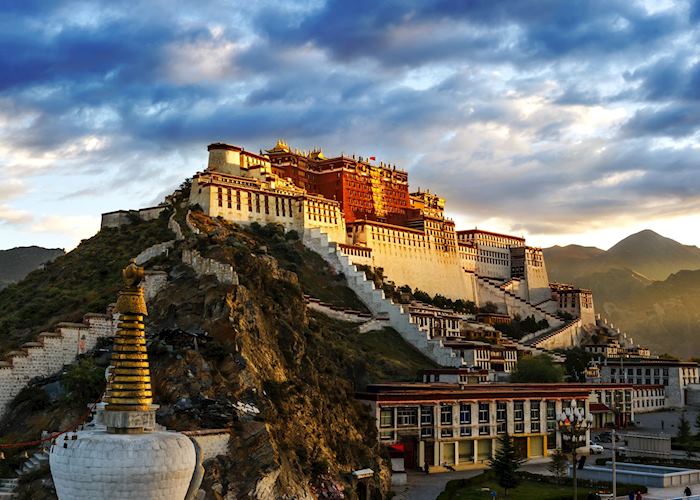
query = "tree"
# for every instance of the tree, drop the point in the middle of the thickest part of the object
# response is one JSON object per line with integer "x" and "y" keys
{"x": 576, "y": 362}
{"x": 684, "y": 435}
{"x": 505, "y": 464}
{"x": 539, "y": 368}
{"x": 559, "y": 465}
{"x": 697, "y": 423}
{"x": 489, "y": 307}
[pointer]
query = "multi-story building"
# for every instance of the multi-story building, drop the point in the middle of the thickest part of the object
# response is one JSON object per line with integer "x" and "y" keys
{"x": 450, "y": 426}
{"x": 434, "y": 321}
{"x": 464, "y": 375}
{"x": 493, "y": 251}
{"x": 604, "y": 350}
{"x": 578, "y": 302}
{"x": 674, "y": 376}
{"x": 495, "y": 358}
{"x": 363, "y": 190}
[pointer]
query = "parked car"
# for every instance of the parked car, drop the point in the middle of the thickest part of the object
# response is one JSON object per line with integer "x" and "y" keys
{"x": 604, "y": 437}
{"x": 595, "y": 448}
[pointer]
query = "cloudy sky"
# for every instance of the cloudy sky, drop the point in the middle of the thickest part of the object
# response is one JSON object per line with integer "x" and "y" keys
{"x": 566, "y": 121}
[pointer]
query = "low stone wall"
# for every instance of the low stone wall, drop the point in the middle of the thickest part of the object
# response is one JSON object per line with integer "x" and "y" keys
{"x": 191, "y": 226}
{"x": 51, "y": 352}
{"x": 212, "y": 442}
{"x": 154, "y": 251}
{"x": 209, "y": 267}
{"x": 121, "y": 217}
{"x": 174, "y": 226}
{"x": 154, "y": 282}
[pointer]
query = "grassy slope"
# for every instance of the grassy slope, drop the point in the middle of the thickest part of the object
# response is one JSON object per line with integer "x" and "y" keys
{"x": 84, "y": 280}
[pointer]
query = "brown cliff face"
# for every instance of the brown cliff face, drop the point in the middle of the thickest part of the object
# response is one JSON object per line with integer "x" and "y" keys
{"x": 262, "y": 349}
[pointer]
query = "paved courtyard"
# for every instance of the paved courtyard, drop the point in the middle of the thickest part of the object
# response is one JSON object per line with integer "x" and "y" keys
{"x": 428, "y": 486}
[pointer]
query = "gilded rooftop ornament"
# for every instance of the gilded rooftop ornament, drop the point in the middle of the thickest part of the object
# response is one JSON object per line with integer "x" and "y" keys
{"x": 129, "y": 385}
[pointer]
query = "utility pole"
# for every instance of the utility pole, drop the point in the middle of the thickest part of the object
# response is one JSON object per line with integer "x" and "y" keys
{"x": 614, "y": 466}
{"x": 574, "y": 425}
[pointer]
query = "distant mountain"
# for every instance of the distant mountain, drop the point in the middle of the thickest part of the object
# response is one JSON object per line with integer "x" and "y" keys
{"x": 652, "y": 255}
{"x": 645, "y": 253}
{"x": 663, "y": 315}
{"x": 564, "y": 264}
{"x": 16, "y": 263}
{"x": 647, "y": 285}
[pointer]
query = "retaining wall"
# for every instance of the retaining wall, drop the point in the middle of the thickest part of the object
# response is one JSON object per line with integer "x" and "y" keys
{"x": 205, "y": 267}
{"x": 212, "y": 442}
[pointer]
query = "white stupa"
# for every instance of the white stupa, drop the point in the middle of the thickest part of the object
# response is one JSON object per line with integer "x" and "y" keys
{"x": 125, "y": 456}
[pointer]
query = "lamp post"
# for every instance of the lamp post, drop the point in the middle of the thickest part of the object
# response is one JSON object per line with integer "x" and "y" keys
{"x": 573, "y": 425}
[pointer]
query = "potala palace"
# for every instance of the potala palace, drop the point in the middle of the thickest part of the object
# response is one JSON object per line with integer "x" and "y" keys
{"x": 369, "y": 214}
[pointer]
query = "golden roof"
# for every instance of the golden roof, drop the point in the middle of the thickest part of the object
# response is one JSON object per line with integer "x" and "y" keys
{"x": 280, "y": 147}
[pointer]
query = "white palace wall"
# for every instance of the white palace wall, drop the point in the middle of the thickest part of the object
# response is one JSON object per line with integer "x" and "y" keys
{"x": 244, "y": 201}
{"x": 410, "y": 257}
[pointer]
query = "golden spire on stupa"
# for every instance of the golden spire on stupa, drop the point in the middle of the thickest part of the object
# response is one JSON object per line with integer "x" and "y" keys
{"x": 129, "y": 384}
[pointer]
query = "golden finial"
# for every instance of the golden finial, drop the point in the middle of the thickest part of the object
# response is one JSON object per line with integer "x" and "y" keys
{"x": 129, "y": 386}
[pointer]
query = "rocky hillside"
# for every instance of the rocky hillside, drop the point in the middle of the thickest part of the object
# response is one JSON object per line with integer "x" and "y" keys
{"x": 16, "y": 263}
{"x": 281, "y": 377}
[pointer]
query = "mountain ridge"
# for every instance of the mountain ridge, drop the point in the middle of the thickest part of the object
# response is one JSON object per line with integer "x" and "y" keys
{"x": 16, "y": 263}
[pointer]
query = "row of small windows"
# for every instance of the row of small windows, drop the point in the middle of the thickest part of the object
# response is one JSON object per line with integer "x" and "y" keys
{"x": 410, "y": 415}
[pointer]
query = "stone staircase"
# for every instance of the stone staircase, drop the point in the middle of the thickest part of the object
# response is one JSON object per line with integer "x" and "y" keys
{"x": 564, "y": 336}
{"x": 34, "y": 463}
{"x": 514, "y": 303}
{"x": 8, "y": 486}
{"x": 375, "y": 300}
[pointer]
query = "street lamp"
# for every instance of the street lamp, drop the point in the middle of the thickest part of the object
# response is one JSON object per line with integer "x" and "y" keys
{"x": 573, "y": 426}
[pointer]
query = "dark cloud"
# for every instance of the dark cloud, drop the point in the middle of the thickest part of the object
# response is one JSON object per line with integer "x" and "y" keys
{"x": 674, "y": 120}
{"x": 492, "y": 94}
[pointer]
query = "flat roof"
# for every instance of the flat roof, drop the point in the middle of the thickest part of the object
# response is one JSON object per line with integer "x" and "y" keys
{"x": 475, "y": 231}
{"x": 412, "y": 391}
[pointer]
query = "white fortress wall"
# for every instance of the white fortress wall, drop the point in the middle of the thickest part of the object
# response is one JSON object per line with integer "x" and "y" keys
{"x": 413, "y": 258}
{"x": 245, "y": 202}
{"x": 51, "y": 352}
{"x": 536, "y": 276}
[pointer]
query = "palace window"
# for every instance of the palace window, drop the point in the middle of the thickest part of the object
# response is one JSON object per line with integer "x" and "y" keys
{"x": 406, "y": 416}
{"x": 465, "y": 413}
{"x": 446, "y": 415}
{"x": 426, "y": 415}
{"x": 501, "y": 412}
{"x": 238, "y": 200}
{"x": 519, "y": 410}
{"x": 483, "y": 412}
{"x": 386, "y": 417}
